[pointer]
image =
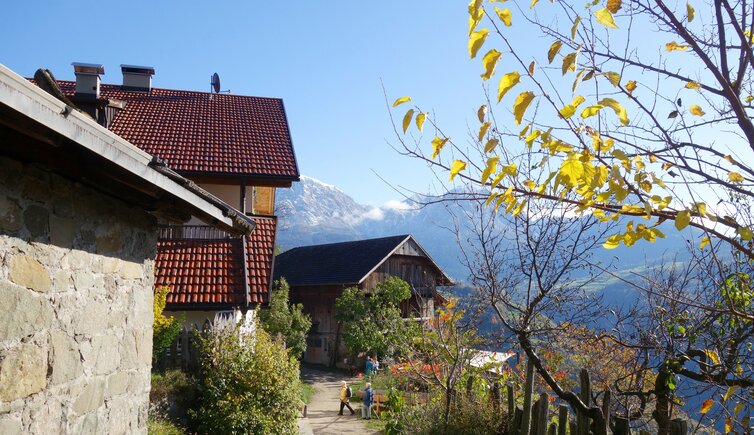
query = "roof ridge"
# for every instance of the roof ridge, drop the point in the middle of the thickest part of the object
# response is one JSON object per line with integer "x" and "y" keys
{"x": 113, "y": 86}
{"x": 399, "y": 236}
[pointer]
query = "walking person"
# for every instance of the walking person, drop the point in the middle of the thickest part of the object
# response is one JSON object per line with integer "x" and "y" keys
{"x": 366, "y": 409}
{"x": 345, "y": 397}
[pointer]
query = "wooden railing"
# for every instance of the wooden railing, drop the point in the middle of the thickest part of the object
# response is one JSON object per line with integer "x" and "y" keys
{"x": 200, "y": 232}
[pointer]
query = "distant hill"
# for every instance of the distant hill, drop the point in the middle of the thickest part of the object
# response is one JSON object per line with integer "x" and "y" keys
{"x": 313, "y": 212}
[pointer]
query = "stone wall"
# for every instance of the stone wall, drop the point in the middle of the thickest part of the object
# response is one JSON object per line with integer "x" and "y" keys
{"x": 76, "y": 276}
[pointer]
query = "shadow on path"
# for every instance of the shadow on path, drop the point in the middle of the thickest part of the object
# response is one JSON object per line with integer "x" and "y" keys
{"x": 322, "y": 412}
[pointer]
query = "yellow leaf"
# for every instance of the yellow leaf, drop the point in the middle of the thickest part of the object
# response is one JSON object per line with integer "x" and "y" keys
{"x": 674, "y": 46}
{"x": 706, "y": 406}
{"x": 506, "y": 83}
{"x": 614, "y": 5}
{"x": 476, "y": 13}
{"x": 682, "y": 219}
{"x": 401, "y": 100}
{"x": 728, "y": 425}
{"x": 530, "y": 184}
{"x": 689, "y": 12}
{"x": 612, "y": 242}
{"x": 745, "y": 233}
{"x": 482, "y": 112}
{"x": 572, "y": 169}
{"x": 738, "y": 408}
{"x": 693, "y": 85}
{"x": 455, "y": 168}
{"x": 605, "y": 17}
{"x": 712, "y": 354}
{"x": 704, "y": 242}
{"x": 591, "y": 111}
{"x": 631, "y": 86}
{"x": 407, "y": 119}
{"x": 613, "y": 77}
{"x": 437, "y": 145}
{"x": 569, "y": 62}
{"x": 729, "y": 392}
{"x": 696, "y": 110}
{"x": 575, "y": 27}
{"x": 483, "y": 130}
{"x": 553, "y": 51}
{"x": 522, "y": 103}
{"x": 490, "y": 145}
{"x": 490, "y": 169}
{"x": 476, "y": 40}
{"x": 735, "y": 177}
{"x": 504, "y": 15}
{"x": 531, "y": 68}
{"x": 420, "y": 118}
{"x": 533, "y": 3}
{"x": 488, "y": 62}
{"x": 568, "y": 111}
{"x": 617, "y": 108}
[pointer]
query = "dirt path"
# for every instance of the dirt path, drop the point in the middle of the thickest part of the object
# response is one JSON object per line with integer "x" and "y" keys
{"x": 322, "y": 412}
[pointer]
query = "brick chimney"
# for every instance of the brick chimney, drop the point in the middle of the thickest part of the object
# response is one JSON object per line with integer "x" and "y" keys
{"x": 137, "y": 78}
{"x": 87, "y": 79}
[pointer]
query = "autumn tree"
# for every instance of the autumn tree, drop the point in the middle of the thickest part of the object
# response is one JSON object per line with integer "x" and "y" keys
{"x": 628, "y": 112}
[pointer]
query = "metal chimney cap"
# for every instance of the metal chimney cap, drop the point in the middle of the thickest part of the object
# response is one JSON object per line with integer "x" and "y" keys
{"x": 137, "y": 69}
{"x": 88, "y": 68}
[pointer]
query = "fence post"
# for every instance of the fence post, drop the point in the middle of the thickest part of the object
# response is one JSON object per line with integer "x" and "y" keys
{"x": 622, "y": 426}
{"x": 678, "y": 426}
{"x": 510, "y": 392}
{"x": 606, "y": 410}
{"x": 542, "y": 414}
{"x": 562, "y": 419}
{"x": 186, "y": 351}
{"x": 496, "y": 396}
{"x": 528, "y": 387}
{"x": 582, "y": 418}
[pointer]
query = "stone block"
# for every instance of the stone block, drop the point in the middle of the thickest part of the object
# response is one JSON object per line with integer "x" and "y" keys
{"x": 117, "y": 384}
{"x": 91, "y": 398}
{"x": 62, "y": 231}
{"x": 129, "y": 355}
{"x": 23, "y": 371}
{"x": 11, "y": 218}
{"x": 61, "y": 282}
{"x": 76, "y": 260}
{"x": 37, "y": 221}
{"x": 46, "y": 417}
{"x": 108, "y": 238}
{"x": 93, "y": 318}
{"x": 22, "y": 312}
{"x": 65, "y": 359}
{"x": 28, "y": 272}
{"x": 131, "y": 270}
{"x": 10, "y": 425}
{"x": 83, "y": 280}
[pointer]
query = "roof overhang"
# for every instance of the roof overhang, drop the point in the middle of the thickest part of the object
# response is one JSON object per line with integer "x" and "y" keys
{"x": 444, "y": 279}
{"x": 71, "y": 143}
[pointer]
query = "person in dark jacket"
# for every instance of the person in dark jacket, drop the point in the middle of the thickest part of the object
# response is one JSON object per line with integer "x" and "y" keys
{"x": 366, "y": 409}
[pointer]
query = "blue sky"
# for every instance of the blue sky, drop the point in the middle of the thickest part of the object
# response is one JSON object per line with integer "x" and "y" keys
{"x": 325, "y": 59}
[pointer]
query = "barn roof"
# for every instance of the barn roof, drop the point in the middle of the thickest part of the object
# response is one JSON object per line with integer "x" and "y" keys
{"x": 344, "y": 263}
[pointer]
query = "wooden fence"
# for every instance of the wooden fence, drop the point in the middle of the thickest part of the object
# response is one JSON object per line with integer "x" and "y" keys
{"x": 540, "y": 422}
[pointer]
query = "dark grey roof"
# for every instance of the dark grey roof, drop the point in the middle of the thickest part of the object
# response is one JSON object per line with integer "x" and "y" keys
{"x": 344, "y": 263}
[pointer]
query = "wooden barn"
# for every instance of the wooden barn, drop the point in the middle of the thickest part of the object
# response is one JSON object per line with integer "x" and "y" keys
{"x": 318, "y": 274}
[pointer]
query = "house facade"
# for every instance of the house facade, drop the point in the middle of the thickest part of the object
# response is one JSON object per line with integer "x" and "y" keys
{"x": 318, "y": 274}
{"x": 237, "y": 148}
{"x": 79, "y": 215}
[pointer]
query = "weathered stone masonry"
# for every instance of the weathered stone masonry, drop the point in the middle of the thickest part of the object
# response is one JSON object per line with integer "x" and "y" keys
{"x": 76, "y": 275}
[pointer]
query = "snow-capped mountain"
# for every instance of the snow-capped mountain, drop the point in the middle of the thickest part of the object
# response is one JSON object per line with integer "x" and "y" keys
{"x": 313, "y": 212}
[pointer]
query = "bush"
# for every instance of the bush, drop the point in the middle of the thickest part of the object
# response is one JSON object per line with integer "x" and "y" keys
{"x": 286, "y": 319}
{"x": 172, "y": 394}
{"x": 166, "y": 328}
{"x": 248, "y": 384}
{"x": 469, "y": 415}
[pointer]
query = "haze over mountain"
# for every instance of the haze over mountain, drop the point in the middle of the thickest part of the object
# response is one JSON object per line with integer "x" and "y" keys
{"x": 313, "y": 212}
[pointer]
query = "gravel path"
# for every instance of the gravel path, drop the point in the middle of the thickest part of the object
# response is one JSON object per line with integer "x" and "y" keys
{"x": 322, "y": 412}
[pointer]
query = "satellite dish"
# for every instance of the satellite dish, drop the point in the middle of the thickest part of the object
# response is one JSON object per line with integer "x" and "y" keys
{"x": 215, "y": 83}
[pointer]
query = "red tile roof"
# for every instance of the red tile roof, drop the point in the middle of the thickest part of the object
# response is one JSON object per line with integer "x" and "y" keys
{"x": 199, "y": 132}
{"x": 208, "y": 274}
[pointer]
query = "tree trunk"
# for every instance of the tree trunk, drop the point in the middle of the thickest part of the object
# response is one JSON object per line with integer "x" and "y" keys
{"x": 661, "y": 414}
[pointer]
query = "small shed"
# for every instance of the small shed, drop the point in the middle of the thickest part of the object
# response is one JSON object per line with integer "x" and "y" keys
{"x": 318, "y": 274}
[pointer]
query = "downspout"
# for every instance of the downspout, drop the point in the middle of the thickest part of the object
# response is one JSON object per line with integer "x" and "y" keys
{"x": 247, "y": 291}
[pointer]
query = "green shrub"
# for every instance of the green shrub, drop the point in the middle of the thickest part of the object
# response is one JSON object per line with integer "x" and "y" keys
{"x": 469, "y": 415}
{"x": 158, "y": 426}
{"x": 172, "y": 394}
{"x": 247, "y": 384}
{"x": 166, "y": 328}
